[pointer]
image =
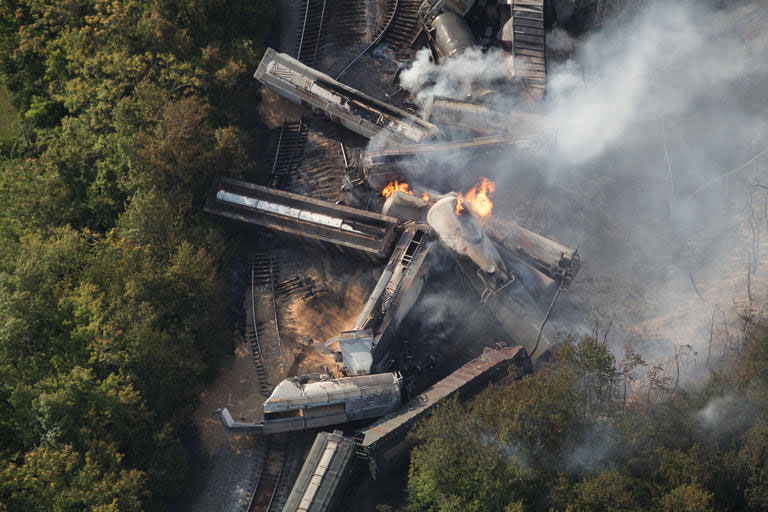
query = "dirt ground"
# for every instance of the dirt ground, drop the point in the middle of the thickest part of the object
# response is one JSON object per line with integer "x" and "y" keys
{"x": 229, "y": 462}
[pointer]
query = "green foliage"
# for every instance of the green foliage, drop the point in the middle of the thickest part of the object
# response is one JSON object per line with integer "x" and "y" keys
{"x": 687, "y": 498}
{"x": 440, "y": 481}
{"x": 64, "y": 480}
{"x": 565, "y": 439}
{"x": 608, "y": 490}
{"x": 7, "y": 115}
{"x": 515, "y": 435}
{"x": 111, "y": 299}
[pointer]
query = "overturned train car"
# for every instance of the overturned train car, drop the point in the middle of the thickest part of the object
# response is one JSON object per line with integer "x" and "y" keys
{"x": 311, "y": 221}
{"x": 327, "y": 470}
{"x": 341, "y": 104}
{"x": 385, "y": 445}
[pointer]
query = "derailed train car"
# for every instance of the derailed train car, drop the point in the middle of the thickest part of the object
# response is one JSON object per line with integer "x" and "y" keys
{"x": 366, "y": 347}
{"x": 380, "y": 166}
{"x": 312, "y": 221}
{"x": 341, "y": 104}
{"x": 483, "y": 119}
{"x": 384, "y": 445}
{"x": 325, "y": 474}
{"x": 502, "y": 272}
{"x": 396, "y": 291}
{"x": 302, "y": 403}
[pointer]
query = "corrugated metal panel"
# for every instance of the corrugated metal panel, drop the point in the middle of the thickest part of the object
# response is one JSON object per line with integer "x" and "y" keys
{"x": 323, "y": 476}
{"x": 384, "y": 439}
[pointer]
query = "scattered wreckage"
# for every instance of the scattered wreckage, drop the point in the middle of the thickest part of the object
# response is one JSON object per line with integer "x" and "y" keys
{"x": 511, "y": 270}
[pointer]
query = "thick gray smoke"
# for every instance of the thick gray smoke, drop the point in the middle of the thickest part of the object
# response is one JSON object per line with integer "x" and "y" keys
{"x": 643, "y": 119}
{"x": 452, "y": 78}
{"x": 655, "y": 65}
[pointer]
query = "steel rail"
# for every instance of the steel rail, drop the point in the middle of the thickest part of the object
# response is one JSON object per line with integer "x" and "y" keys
{"x": 319, "y": 33}
{"x": 375, "y": 41}
{"x": 274, "y": 306}
{"x": 277, "y": 154}
{"x": 253, "y": 309}
{"x": 303, "y": 28}
{"x": 277, "y": 485}
{"x": 258, "y": 478}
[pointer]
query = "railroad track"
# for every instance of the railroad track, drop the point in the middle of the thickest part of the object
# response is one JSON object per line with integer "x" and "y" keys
{"x": 321, "y": 177}
{"x": 403, "y": 27}
{"x": 260, "y": 336}
{"x": 348, "y": 17}
{"x": 264, "y": 493}
{"x": 322, "y": 23}
{"x": 302, "y": 287}
{"x": 284, "y": 454}
{"x": 261, "y": 373}
{"x": 287, "y": 152}
{"x": 310, "y": 41}
{"x": 334, "y": 23}
{"x": 315, "y": 172}
{"x": 251, "y": 331}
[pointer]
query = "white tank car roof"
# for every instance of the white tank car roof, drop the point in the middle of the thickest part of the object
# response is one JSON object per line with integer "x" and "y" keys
{"x": 462, "y": 233}
{"x": 292, "y": 393}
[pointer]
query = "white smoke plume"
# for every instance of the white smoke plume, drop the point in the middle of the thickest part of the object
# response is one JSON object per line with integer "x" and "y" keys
{"x": 646, "y": 115}
{"x": 668, "y": 57}
{"x": 451, "y": 78}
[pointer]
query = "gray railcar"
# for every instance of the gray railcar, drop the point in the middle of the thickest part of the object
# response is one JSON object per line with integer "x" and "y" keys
{"x": 341, "y": 104}
{"x": 324, "y": 475}
{"x": 303, "y": 218}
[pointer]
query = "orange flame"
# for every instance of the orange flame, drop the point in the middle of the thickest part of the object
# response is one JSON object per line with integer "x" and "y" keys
{"x": 396, "y": 186}
{"x": 479, "y": 197}
{"x": 459, "y": 204}
{"x": 425, "y": 196}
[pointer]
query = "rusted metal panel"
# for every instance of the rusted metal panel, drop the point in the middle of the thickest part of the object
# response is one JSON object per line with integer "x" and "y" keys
{"x": 385, "y": 441}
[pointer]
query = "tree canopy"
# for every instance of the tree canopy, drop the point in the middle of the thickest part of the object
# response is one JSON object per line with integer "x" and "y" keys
{"x": 111, "y": 291}
{"x": 565, "y": 439}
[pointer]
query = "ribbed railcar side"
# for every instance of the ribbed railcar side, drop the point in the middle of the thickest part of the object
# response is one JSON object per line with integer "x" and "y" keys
{"x": 386, "y": 443}
{"x": 324, "y": 475}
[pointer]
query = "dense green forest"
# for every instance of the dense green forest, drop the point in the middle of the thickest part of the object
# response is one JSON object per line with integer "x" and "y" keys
{"x": 569, "y": 438}
{"x": 111, "y": 292}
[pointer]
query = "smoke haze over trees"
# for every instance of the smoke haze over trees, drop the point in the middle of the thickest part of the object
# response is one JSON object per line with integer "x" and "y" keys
{"x": 112, "y": 293}
{"x": 567, "y": 438}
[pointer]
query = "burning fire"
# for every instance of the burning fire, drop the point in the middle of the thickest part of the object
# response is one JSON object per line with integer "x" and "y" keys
{"x": 479, "y": 197}
{"x": 459, "y": 204}
{"x": 396, "y": 186}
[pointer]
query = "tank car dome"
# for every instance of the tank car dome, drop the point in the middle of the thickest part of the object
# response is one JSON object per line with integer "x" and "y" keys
{"x": 461, "y": 233}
